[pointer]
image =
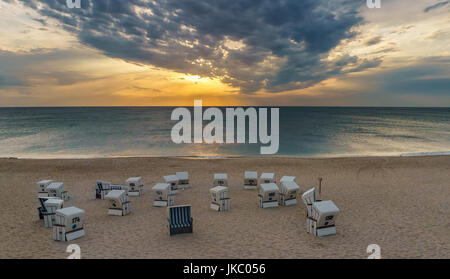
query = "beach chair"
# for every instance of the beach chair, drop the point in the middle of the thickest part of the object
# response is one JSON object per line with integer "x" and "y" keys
{"x": 220, "y": 179}
{"x": 42, "y": 210}
{"x": 42, "y": 188}
{"x": 183, "y": 179}
{"x": 220, "y": 200}
{"x": 118, "y": 187}
{"x": 173, "y": 181}
{"x": 56, "y": 190}
{"x": 320, "y": 216}
{"x": 135, "y": 186}
{"x": 69, "y": 224}
{"x": 268, "y": 195}
{"x": 288, "y": 193}
{"x": 162, "y": 195}
{"x": 250, "y": 180}
{"x": 51, "y": 205}
{"x": 323, "y": 219}
{"x": 287, "y": 178}
{"x": 179, "y": 219}
{"x": 309, "y": 197}
{"x": 119, "y": 204}
{"x": 267, "y": 178}
{"x": 101, "y": 189}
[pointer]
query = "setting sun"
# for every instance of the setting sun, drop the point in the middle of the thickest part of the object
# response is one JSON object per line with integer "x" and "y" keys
{"x": 194, "y": 78}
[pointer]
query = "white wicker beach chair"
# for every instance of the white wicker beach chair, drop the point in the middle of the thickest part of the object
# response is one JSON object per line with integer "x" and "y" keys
{"x": 119, "y": 204}
{"x": 51, "y": 206}
{"x": 220, "y": 179}
{"x": 267, "y": 178}
{"x": 288, "y": 193}
{"x": 42, "y": 188}
{"x": 250, "y": 180}
{"x": 268, "y": 195}
{"x": 173, "y": 181}
{"x": 320, "y": 216}
{"x": 69, "y": 224}
{"x": 163, "y": 195}
{"x": 135, "y": 186}
{"x": 183, "y": 179}
{"x": 220, "y": 200}
{"x": 56, "y": 190}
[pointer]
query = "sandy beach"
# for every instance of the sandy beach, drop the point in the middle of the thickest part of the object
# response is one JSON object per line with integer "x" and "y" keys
{"x": 400, "y": 203}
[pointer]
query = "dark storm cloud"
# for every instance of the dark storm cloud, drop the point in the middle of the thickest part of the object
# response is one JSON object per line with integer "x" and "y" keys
{"x": 284, "y": 42}
{"x": 435, "y": 6}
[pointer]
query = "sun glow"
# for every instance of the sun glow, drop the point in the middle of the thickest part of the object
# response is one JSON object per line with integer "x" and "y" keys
{"x": 194, "y": 78}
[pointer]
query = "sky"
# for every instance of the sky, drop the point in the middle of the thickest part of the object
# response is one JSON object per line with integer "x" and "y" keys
{"x": 227, "y": 53}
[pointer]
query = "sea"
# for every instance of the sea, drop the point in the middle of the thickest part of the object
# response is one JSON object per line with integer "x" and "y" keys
{"x": 97, "y": 132}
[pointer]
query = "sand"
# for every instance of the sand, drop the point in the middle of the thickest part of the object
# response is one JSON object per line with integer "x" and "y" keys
{"x": 400, "y": 203}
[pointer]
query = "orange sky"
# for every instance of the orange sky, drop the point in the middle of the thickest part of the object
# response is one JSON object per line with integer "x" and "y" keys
{"x": 52, "y": 68}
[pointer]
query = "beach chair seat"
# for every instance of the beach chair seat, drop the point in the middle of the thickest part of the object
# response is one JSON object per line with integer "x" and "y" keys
{"x": 101, "y": 189}
{"x": 56, "y": 190}
{"x": 288, "y": 193}
{"x": 135, "y": 186}
{"x": 42, "y": 210}
{"x": 219, "y": 198}
{"x": 173, "y": 181}
{"x": 323, "y": 219}
{"x": 320, "y": 215}
{"x": 69, "y": 224}
{"x": 250, "y": 180}
{"x": 162, "y": 195}
{"x": 180, "y": 219}
{"x": 119, "y": 204}
{"x": 220, "y": 179}
{"x": 118, "y": 187}
{"x": 267, "y": 178}
{"x": 42, "y": 187}
{"x": 268, "y": 195}
{"x": 51, "y": 205}
{"x": 183, "y": 179}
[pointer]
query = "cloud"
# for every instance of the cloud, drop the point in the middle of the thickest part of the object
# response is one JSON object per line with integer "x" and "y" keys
{"x": 252, "y": 45}
{"x": 435, "y": 6}
{"x": 428, "y": 77}
{"x": 6, "y": 81}
{"x": 41, "y": 66}
{"x": 373, "y": 41}
{"x": 439, "y": 35}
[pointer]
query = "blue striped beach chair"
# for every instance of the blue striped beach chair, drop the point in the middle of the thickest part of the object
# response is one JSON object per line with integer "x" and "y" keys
{"x": 179, "y": 219}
